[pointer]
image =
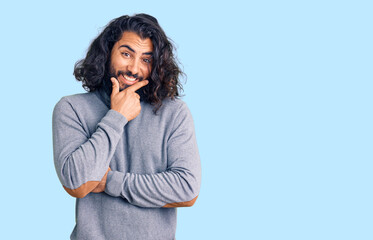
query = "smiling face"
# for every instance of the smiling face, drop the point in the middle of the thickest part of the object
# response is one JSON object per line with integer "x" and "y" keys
{"x": 131, "y": 59}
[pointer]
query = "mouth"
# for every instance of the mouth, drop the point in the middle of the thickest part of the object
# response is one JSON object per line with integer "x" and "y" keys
{"x": 128, "y": 80}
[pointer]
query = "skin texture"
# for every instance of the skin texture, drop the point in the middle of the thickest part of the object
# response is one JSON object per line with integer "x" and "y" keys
{"x": 126, "y": 102}
{"x": 130, "y": 56}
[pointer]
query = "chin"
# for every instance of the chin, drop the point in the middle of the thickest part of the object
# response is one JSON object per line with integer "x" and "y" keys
{"x": 122, "y": 87}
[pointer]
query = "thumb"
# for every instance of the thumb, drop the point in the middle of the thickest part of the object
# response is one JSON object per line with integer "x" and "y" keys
{"x": 115, "y": 83}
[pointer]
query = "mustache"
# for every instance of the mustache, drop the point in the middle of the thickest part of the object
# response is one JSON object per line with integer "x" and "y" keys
{"x": 128, "y": 73}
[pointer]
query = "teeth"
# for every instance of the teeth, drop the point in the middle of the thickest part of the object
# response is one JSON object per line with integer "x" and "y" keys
{"x": 129, "y": 78}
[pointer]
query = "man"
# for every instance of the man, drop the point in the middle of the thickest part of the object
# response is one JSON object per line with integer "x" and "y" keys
{"x": 127, "y": 149}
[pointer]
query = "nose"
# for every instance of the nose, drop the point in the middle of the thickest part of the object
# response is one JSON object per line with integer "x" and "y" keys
{"x": 133, "y": 67}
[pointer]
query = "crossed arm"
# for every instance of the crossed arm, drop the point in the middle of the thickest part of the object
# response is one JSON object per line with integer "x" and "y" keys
{"x": 82, "y": 161}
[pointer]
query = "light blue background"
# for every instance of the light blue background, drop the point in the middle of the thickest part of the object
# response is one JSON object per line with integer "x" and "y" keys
{"x": 281, "y": 95}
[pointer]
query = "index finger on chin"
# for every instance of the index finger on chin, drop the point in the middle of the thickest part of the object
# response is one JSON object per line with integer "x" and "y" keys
{"x": 138, "y": 85}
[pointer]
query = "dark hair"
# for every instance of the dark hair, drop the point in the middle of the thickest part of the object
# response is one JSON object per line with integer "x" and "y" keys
{"x": 164, "y": 82}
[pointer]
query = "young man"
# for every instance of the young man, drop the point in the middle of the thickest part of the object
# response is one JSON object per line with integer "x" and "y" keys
{"x": 127, "y": 149}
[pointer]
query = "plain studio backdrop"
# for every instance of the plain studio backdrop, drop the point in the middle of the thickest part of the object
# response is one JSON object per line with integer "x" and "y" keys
{"x": 280, "y": 92}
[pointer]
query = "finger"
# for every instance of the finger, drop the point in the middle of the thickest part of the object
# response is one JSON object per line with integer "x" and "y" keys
{"x": 115, "y": 83}
{"x": 137, "y": 96}
{"x": 137, "y": 85}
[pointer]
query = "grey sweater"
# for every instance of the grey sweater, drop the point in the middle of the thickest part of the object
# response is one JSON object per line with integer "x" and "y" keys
{"x": 153, "y": 161}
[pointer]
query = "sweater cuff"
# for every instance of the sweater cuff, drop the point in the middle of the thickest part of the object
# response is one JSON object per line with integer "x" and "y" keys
{"x": 114, "y": 183}
{"x": 114, "y": 120}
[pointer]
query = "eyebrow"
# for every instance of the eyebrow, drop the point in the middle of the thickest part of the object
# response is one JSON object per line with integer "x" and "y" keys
{"x": 129, "y": 48}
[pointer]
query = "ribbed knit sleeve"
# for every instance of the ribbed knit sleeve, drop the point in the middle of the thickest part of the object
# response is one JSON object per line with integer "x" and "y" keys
{"x": 82, "y": 160}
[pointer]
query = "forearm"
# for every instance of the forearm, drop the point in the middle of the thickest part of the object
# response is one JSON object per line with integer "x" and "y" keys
{"x": 82, "y": 169}
{"x": 172, "y": 188}
{"x": 81, "y": 160}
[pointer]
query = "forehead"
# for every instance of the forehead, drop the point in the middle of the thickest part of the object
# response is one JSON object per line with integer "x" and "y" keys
{"x": 136, "y": 42}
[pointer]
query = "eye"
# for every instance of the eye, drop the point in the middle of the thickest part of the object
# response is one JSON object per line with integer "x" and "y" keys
{"x": 126, "y": 54}
{"x": 147, "y": 60}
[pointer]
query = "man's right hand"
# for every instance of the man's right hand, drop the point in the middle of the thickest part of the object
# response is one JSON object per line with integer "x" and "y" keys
{"x": 126, "y": 102}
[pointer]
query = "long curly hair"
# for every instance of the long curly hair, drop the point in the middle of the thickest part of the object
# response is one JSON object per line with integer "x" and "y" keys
{"x": 164, "y": 80}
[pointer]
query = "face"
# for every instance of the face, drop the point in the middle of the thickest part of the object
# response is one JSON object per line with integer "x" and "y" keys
{"x": 131, "y": 59}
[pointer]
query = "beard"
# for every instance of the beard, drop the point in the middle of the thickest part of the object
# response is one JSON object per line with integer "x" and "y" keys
{"x": 108, "y": 86}
{"x": 117, "y": 74}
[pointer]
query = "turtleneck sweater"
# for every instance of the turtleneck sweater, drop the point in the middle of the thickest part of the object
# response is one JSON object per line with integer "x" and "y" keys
{"x": 152, "y": 165}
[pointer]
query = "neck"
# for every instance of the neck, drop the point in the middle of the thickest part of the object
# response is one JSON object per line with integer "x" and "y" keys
{"x": 105, "y": 96}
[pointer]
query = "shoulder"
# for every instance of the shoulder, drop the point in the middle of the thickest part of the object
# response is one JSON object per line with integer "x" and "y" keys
{"x": 174, "y": 105}
{"x": 76, "y": 101}
{"x": 172, "y": 112}
{"x": 82, "y": 105}
{"x": 78, "y": 98}
{"x": 177, "y": 110}
{"x": 170, "y": 108}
